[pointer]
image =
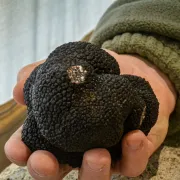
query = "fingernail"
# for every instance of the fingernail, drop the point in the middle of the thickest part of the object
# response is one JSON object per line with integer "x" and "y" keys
{"x": 95, "y": 166}
{"x": 135, "y": 145}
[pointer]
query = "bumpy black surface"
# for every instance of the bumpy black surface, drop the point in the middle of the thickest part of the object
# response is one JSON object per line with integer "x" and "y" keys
{"x": 68, "y": 118}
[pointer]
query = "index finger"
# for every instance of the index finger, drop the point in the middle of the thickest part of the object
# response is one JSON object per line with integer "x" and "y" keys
{"x": 15, "y": 150}
{"x": 23, "y": 74}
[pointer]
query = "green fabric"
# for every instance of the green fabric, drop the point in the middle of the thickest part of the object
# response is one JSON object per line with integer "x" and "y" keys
{"x": 151, "y": 29}
{"x": 148, "y": 16}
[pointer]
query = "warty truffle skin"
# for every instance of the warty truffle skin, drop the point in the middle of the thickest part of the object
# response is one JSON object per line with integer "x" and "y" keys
{"x": 77, "y": 100}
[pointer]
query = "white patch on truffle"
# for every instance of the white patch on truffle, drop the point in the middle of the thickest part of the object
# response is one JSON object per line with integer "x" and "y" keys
{"x": 77, "y": 74}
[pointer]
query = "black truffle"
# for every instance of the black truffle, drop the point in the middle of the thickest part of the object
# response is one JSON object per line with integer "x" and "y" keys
{"x": 77, "y": 100}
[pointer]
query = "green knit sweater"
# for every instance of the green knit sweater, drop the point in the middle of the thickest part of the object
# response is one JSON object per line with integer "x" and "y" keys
{"x": 151, "y": 29}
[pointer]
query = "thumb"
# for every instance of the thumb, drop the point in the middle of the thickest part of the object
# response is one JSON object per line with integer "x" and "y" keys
{"x": 96, "y": 165}
{"x": 134, "y": 154}
{"x": 21, "y": 79}
{"x": 26, "y": 70}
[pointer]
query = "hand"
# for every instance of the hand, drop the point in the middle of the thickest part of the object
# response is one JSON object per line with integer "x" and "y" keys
{"x": 42, "y": 165}
{"x": 136, "y": 147}
{"x": 135, "y": 159}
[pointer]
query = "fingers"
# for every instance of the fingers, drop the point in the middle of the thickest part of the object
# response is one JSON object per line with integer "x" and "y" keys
{"x": 96, "y": 165}
{"x": 137, "y": 148}
{"x": 16, "y": 151}
{"x": 21, "y": 78}
{"x": 42, "y": 165}
{"x": 134, "y": 154}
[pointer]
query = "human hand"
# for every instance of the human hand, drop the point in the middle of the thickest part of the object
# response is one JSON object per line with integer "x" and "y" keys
{"x": 42, "y": 165}
{"x": 134, "y": 159}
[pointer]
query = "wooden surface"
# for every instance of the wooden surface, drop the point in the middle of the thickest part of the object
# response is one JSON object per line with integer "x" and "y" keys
{"x": 12, "y": 116}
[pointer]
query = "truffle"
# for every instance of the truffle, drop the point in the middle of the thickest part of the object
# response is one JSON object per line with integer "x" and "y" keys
{"x": 77, "y": 100}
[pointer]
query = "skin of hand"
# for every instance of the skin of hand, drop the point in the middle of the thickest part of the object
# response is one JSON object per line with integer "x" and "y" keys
{"x": 136, "y": 147}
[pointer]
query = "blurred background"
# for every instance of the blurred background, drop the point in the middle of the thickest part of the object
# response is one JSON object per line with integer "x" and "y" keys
{"x": 31, "y": 29}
